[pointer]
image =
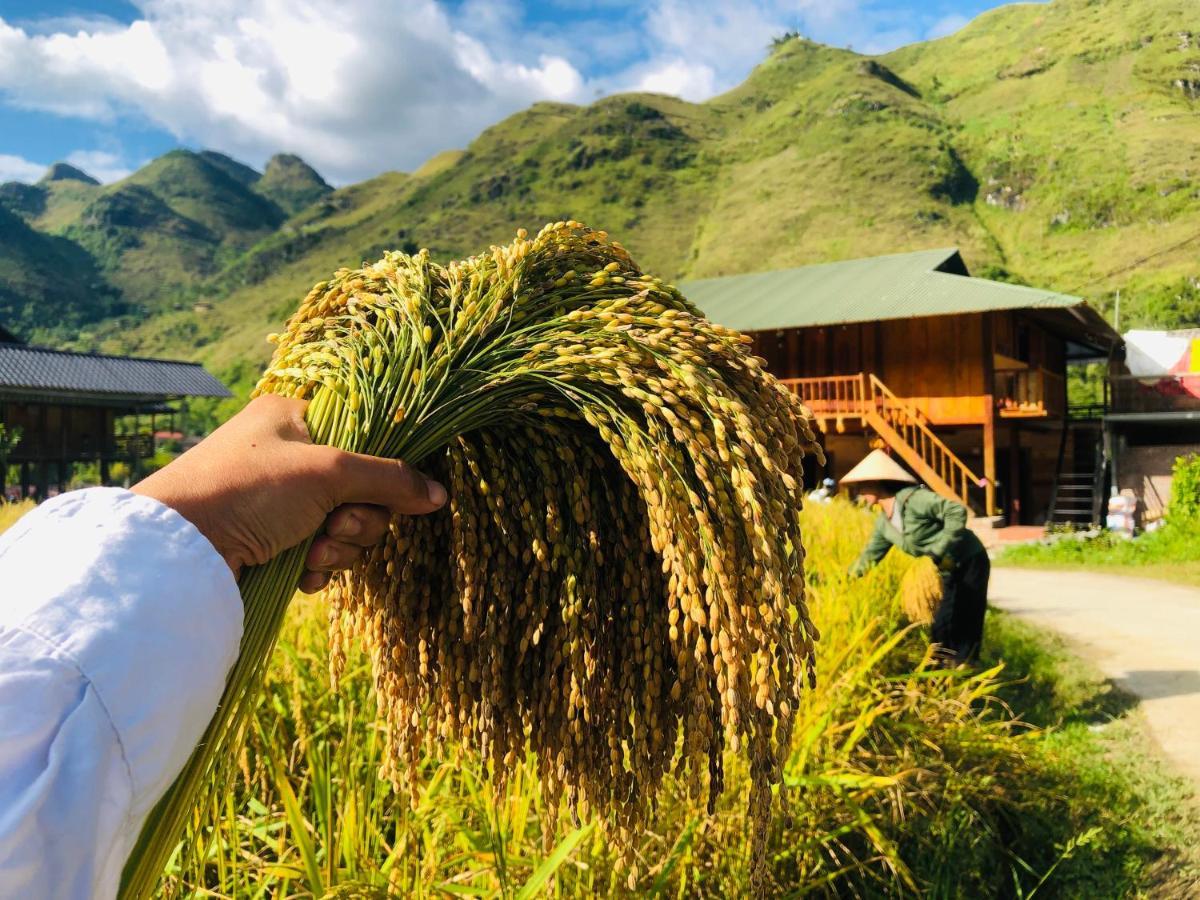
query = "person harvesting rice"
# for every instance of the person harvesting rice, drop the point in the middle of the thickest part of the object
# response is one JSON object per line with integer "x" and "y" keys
{"x": 922, "y": 523}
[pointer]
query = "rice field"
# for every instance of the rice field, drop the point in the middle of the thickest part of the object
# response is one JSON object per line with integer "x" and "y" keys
{"x": 10, "y": 512}
{"x": 903, "y": 780}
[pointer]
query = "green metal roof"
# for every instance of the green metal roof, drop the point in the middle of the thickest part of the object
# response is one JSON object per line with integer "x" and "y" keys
{"x": 899, "y": 286}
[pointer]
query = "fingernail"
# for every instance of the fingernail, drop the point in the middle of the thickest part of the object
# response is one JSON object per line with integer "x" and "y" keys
{"x": 350, "y": 525}
{"x": 435, "y": 492}
{"x": 325, "y": 556}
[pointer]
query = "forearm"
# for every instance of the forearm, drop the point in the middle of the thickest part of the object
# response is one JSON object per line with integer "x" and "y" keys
{"x": 877, "y": 548}
{"x": 119, "y": 626}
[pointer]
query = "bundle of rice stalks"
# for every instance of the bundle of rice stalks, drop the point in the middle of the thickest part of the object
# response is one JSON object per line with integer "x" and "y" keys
{"x": 617, "y": 582}
{"x": 920, "y": 591}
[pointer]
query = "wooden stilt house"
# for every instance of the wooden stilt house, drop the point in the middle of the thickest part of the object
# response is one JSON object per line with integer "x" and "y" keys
{"x": 962, "y": 378}
{"x": 68, "y": 408}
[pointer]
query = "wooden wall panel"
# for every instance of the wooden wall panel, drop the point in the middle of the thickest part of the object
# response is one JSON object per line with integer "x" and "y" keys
{"x": 933, "y": 356}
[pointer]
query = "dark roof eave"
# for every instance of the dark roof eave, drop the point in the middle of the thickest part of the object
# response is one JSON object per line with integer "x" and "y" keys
{"x": 1099, "y": 329}
{"x": 63, "y": 375}
{"x": 11, "y": 394}
{"x": 1081, "y": 324}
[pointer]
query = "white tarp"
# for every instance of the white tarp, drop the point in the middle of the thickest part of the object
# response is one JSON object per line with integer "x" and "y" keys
{"x": 1150, "y": 353}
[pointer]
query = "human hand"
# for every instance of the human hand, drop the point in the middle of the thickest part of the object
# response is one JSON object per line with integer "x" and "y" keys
{"x": 258, "y": 485}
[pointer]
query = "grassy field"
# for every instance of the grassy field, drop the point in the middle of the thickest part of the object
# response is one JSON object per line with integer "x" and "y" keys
{"x": 1186, "y": 573}
{"x": 904, "y": 780}
{"x": 1093, "y": 728}
{"x": 1171, "y": 554}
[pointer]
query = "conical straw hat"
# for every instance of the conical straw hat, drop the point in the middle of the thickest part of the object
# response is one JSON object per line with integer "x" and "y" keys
{"x": 877, "y": 466}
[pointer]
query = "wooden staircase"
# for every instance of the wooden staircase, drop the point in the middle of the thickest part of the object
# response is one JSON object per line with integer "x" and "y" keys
{"x": 900, "y": 424}
{"x": 903, "y": 428}
{"x": 1078, "y": 493}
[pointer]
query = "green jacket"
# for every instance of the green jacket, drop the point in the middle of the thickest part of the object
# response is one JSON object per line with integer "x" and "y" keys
{"x": 933, "y": 526}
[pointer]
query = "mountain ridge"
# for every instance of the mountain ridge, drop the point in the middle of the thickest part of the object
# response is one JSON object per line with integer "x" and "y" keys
{"x": 1053, "y": 144}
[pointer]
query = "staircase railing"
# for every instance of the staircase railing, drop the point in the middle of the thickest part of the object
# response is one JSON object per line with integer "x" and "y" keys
{"x": 831, "y": 395}
{"x": 901, "y": 425}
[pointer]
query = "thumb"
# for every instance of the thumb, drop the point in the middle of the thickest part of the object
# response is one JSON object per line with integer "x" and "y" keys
{"x": 385, "y": 482}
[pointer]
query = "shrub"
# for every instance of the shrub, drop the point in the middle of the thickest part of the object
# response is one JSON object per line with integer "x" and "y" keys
{"x": 1185, "y": 489}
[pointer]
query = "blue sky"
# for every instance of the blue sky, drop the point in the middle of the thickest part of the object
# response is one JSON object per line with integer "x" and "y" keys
{"x": 358, "y": 87}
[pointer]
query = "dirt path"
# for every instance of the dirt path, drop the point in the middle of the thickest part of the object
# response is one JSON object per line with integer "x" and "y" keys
{"x": 1144, "y": 635}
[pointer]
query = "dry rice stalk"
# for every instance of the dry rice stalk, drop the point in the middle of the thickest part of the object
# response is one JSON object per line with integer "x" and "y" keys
{"x": 617, "y": 581}
{"x": 920, "y": 591}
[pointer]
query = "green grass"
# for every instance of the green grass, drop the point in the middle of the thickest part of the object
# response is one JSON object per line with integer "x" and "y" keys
{"x": 1172, "y": 554}
{"x": 42, "y": 306}
{"x": 1093, "y": 730}
{"x": 1185, "y": 573}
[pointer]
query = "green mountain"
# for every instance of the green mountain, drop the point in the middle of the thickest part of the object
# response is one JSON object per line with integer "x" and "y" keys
{"x": 154, "y": 238}
{"x": 62, "y": 171}
{"x": 291, "y": 183}
{"x": 48, "y": 285}
{"x": 1056, "y": 144}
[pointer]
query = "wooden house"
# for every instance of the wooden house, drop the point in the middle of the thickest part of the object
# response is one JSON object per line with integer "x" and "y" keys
{"x": 962, "y": 378}
{"x": 72, "y": 408}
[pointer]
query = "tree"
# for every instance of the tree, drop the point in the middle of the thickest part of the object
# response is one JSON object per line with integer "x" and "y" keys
{"x": 780, "y": 39}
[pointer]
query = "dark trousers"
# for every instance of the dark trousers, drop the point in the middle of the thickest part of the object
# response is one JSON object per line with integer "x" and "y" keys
{"x": 958, "y": 622}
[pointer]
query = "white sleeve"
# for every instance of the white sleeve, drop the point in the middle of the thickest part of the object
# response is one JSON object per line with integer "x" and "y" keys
{"x": 118, "y": 625}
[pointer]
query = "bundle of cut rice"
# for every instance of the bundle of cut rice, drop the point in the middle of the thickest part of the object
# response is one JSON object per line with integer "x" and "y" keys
{"x": 617, "y": 582}
{"x": 920, "y": 591}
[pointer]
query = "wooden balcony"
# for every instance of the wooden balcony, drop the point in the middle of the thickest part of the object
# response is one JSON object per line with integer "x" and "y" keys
{"x": 1030, "y": 394}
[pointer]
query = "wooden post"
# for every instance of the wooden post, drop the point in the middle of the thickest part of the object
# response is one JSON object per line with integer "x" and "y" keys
{"x": 4, "y": 417}
{"x": 989, "y": 454}
{"x": 43, "y": 474}
{"x": 1014, "y": 476}
{"x": 43, "y": 479}
{"x": 63, "y": 452}
{"x": 135, "y": 461}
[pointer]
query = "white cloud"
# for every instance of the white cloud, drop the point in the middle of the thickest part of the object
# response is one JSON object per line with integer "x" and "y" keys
{"x": 680, "y": 78}
{"x": 946, "y": 25}
{"x": 16, "y": 168}
{"x": 360, "y": 86}
{"x": 705, "y": 48}
{"x": 355, "y": 87}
